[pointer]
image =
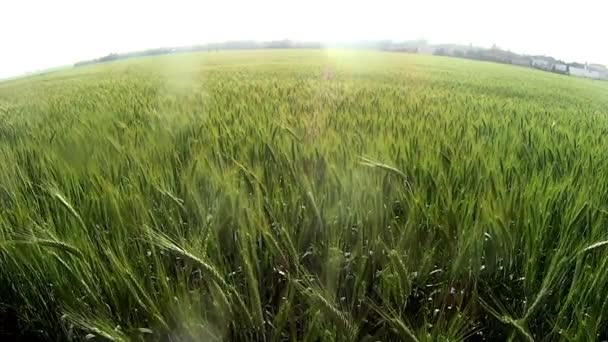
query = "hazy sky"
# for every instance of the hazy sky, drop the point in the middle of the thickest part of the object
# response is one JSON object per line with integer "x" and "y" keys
{"x": 37, "y": 34}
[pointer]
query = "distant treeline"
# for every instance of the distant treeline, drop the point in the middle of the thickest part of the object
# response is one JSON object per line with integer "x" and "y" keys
{"x": 495, "y": 55}
{"x": 230, "y": 45}
{"x": 250, "y": 45}
{"x": 420, "y": 46}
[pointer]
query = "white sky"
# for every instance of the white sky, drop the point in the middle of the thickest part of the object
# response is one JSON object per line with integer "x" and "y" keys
{"x": 38, "y": 34}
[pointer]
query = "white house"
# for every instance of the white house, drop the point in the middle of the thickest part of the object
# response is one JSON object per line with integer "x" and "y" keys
{"x": 601, "y": 69}
{"x": 561, "y": 68}
{"x": 598, "y": 67}
{"x": 541, "y": 64}
{"x": 585, "y": 72}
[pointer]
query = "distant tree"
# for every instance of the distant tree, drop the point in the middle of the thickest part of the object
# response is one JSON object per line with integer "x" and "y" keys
{"x": 474, "y": 54}
{"x": 440, "y": 52}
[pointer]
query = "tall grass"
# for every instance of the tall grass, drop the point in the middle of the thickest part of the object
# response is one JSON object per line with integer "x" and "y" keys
{"x": 246, "y": 196}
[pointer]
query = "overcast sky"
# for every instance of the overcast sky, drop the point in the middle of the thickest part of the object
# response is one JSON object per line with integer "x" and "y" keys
{"x": 38, "y": 34}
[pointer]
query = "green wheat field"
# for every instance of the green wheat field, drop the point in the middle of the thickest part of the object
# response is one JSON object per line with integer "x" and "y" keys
{"x": 303, "y": 195}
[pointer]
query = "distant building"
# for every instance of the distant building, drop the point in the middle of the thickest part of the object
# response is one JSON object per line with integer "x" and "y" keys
{"x": 601, "y": 69}
{"x": 560, "y": 68}
{"x": 542, "y": 64}
{"x": 585, "y": 71}
{"x": 598, "y": 67}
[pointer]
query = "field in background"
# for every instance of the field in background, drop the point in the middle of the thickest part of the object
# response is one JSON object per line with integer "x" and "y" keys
{"x": 303, "y": 195}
